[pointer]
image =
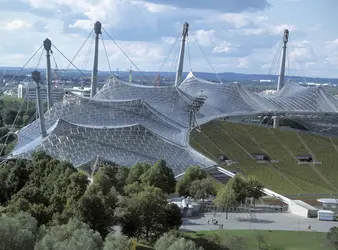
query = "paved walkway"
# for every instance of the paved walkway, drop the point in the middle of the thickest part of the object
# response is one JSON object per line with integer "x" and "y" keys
{"x": 262, "y": 221}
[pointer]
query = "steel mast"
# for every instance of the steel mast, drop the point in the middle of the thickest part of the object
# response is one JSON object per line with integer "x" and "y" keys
{"x": 281, "y": 76}
{"x": 37, "y": 78}
{"x": 93, "y": 87}
{"x": 179, "y": 72}
{"x": 48, "y": 45}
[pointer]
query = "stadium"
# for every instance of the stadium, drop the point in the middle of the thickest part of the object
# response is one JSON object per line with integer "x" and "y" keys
{"x": 188, "y": 124}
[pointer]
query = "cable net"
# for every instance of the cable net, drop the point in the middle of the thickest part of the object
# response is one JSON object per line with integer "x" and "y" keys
{"x": 126, "y": 123}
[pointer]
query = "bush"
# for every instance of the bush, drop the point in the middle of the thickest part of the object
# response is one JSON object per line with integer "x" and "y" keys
{"x": 332, "y": 236}
{"x": 117, "y": 242}
{"x": 165, "y": 241}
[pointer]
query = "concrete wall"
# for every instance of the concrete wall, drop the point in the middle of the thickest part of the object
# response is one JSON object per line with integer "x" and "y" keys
{"x": 300, "y": 208}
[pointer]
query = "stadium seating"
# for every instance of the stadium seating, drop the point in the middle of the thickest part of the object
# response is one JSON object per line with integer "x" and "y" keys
{"x": 285, "y": 175}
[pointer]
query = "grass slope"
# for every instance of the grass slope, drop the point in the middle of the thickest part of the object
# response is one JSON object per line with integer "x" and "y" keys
{"x": 239, "y": 141}
{"x": 248, "y": 240}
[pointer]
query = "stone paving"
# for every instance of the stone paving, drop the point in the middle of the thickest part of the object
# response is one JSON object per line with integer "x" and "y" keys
{"x": 260, "y": 221}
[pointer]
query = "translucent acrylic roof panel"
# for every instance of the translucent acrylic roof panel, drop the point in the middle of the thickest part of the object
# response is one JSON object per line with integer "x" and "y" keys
{"x": 167, "y": 100}
{"x": 81, "y": 110}
{"x": 123, "y": 145}
{"x": 294, "y": 97}
{"x": 236, "y": 99}
{"x": 127, "y": 123}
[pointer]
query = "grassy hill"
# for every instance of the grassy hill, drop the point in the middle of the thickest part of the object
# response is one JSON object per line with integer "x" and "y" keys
{"x": 239, "y": 141}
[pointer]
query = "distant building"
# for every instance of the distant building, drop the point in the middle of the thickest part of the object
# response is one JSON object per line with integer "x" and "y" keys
{"x": 82, "y": 91}
{"x": 28, "y": 90}
{"x": 330, "y": 204}
{"x": 269, "y": 92}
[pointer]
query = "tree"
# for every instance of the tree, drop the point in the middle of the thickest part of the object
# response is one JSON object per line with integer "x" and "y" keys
{"x": 110, "y": 202}
{"x": 173, "y": 216}
{"x": 19, "y": 120}
{"x": 117, "y": 242}
{"x": 92, "y": 211}
{"x": 8, "y": 116}
{"x": 226, "y": 197}
{"x": 25, "y": 120}
{"x": 121, "y": 177}
{"x": 191, "y": 174}
{"x": 17, "y": 232}
{"x": 254, "y": 188}
{"x": 105, "y": 178}
{"x": 14, "y": 175}
{"x": 240, "y": 187}
{"x": 73, "y": 235}
{"x": 30, "y": 199}
{"x": 332, "y": 236}
{"x": 5, "y": 137}
{"x": 136, "y": 172}
{"x": 199, "y": 189}
{"x": 145, "y": 214}
{"x": 160, "y": 176}
{"x": 134, "y": 188}
{"x": 77, "y": 186}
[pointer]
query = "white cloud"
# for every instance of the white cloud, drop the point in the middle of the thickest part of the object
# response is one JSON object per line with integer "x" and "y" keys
{"x": 111, "y": 13}
{"x": 204, "y": 37}
{"x": 302, "y": 54}
{"x": 267, "y": 29}
{"x": 236, "y": 19}
{"x": 305, "y": 54}
{"x": 243, "y": 62}
{"x": 155, "y": 8}
{"x": 169, "y": 40}
{"x": 225, "y": 47}
{"x": 332, "y": 44}
{"x": 16, "y": 25}
{"x": 82, "y": 5}
{"x": 82, "y": 24}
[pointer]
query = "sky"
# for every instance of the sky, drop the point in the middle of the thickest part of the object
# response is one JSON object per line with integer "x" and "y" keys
{"x": 241, "y": 36}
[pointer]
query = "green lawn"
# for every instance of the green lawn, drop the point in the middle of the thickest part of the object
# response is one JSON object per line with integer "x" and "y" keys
{"x": 249, "y": 239}
{"x": 239, "y": 141}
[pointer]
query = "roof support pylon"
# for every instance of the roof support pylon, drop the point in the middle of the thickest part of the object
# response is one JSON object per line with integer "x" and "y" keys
{"x": 179, "y": 72}
{"x": 37, "y": 78}
{"x": 281, "y": 76}
{"x": 47, "y": 44}
{"x": 93, "y": 86}
{"x": 283, "y": 62}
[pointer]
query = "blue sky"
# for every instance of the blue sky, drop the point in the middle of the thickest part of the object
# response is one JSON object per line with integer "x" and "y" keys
{"x": 234, "y": 35}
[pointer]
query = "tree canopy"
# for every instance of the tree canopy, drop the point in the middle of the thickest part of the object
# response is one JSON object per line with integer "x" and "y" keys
{"x": 191, "y": 174}
{"x": 146, "y": 214}
{"x": 73, "y": 235}
{"x": 17, "y": 231}
{"x": 67, "y": 209}
{"x": 236, "y": 191}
